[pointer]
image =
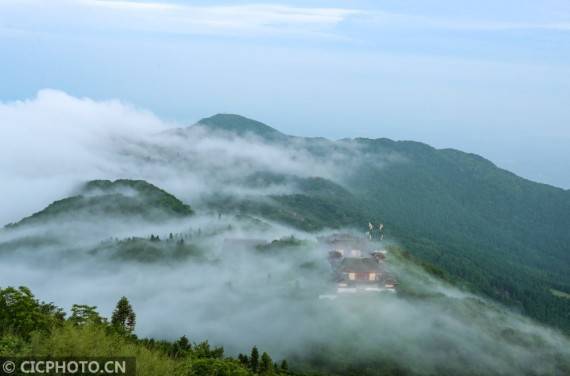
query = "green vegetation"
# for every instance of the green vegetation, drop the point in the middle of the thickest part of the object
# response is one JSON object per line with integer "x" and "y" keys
{"x": 29, "y": 327}
{"x": 124, "y": 318}
{"x": 458, "y": 216}
{"x": 176, "y": 247}
{"x": 289, "y": 242}
{"x": 119, "y": 198}
{"x": 319, "y": 204}
{"x": 240, "y": 125}
{"x": 501, "y": 235}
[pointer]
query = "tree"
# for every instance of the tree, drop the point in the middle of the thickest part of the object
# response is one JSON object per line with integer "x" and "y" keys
{"x": 21, "y": 313}
{"x": 243, "y": 359}
{"x": 284, "y": 365}
{"x": 203, "y": 350}
{"x": 184, "y": 343}
{"x": 266, "y": 364}
{"x": 83, "y": 314}
{"x": 124, "y": 317}
{"x": 254, "y": 359}
{"x": 181, "y": 347}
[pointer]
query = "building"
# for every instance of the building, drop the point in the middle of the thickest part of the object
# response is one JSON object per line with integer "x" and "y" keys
{"x": 359, "y": 270}
{"x": 357, "y": 263}
{"x": 358, "y": 273}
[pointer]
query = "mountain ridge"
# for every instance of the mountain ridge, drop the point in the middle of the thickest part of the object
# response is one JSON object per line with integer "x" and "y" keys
{"x": 501, "y": 233}
{"x": 241, "y": 126}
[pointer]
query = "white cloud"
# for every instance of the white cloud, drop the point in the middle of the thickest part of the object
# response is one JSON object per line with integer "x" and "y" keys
{"x": 244, "y": 20}
{"x": 53, "y": 142}
{"x": 165, "y": 17}
{"x": 255, "y": 18}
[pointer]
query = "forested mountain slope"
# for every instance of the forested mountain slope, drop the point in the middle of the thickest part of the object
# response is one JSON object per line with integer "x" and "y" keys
{"x": 499, "y": 233}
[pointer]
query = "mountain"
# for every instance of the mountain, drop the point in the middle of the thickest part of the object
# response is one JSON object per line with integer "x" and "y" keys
{"x": 499, "y": 234}
{"x": 240, "y": 126}
{"x": 481, "y": 226}
{"x": 120, "y": 198}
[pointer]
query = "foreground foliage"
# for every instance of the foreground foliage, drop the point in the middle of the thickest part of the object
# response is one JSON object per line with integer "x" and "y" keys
{"x": 29, "y": 327}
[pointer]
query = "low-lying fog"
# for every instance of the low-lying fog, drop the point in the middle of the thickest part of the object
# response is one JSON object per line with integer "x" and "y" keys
{"x": 239, "y": 296}
{"x": 234, "y": 294}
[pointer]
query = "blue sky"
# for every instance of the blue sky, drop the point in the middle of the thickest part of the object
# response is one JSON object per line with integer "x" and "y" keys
{"x": 490, "y": 77}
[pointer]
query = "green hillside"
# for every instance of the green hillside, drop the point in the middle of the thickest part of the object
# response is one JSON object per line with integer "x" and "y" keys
{"x": 120, "y": 198}
{"x": 504, "y": 235}
{"x": 500, "y": 234}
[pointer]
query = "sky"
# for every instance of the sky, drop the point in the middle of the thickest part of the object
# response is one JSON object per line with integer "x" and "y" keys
{"x": 487, "y": 77}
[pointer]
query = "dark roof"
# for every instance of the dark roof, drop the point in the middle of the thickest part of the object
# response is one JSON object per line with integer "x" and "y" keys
{"x": 359, "y": 265}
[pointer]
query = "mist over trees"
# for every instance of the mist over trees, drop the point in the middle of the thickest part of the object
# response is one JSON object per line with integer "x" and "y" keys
{"x": 218, "y": 227}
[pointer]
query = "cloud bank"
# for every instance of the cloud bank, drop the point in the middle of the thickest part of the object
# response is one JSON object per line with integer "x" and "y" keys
{"x": 52, "y": 143}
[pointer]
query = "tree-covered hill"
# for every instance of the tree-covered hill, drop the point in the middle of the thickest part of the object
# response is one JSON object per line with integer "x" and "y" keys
{"x": 504, "y": 235}
{"x": 120, "y": 198}
{"x": 501, "y": 234}
{"x": 240, "y": 125}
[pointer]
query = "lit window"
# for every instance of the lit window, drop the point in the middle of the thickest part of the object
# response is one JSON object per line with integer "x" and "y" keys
{"x": 372, "y": 276}
{"x": 352, "y": 276}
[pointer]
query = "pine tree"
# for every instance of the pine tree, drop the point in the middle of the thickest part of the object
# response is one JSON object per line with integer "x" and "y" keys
{"x": 124, "y": 317}
{"x": 131, "y": 321}
{"x": 284, "y": 365}
{"x": 266, "y": 364}
{"x": 254, "y": 359}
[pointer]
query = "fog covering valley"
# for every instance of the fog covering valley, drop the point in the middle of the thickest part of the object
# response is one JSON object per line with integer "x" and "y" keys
{"x": 207, "y": 192}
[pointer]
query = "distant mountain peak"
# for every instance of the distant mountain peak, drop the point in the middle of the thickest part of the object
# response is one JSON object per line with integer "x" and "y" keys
{"x": 239, "y": 125}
